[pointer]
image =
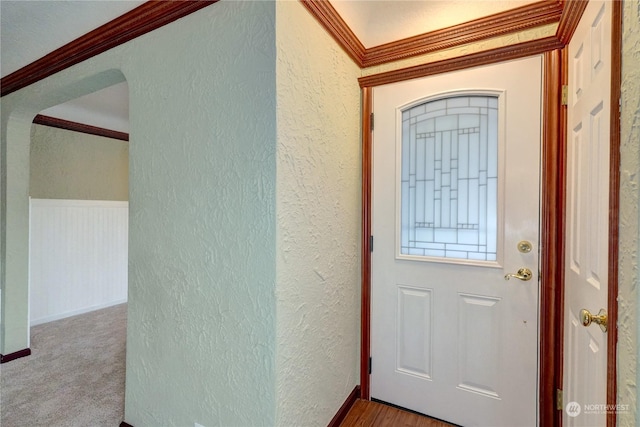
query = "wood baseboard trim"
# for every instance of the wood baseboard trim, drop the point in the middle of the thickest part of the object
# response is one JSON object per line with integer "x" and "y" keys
{"x": 55, "y": 122}
{"x": 125, "y": 424}
{"x": 344, "y": 409}
{"x": 4, "y": 358}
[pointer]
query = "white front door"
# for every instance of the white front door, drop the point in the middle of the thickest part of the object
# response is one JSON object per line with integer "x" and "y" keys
{"x": 456, "y": 162}
{"x": 586, "y": 256}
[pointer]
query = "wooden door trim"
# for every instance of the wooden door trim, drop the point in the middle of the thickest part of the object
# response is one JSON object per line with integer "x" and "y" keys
{"x": 486, "y": 57}
{"x": 614, "y": 208}
{"x": 365, "y": 306}
{"x": 552, "y": 239}
{"x": 551, "y": 227}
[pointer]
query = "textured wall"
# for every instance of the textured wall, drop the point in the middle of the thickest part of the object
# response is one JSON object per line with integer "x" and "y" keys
{"x": 628, "y": 321}
{"x": 202, "y": 251}
{"x": 318, "y": 221}
{"x": 500, "y": 41}
{"x": 14, "y": 231}
{"x": 201, "y": 323}
{"x": 73, "y": 165}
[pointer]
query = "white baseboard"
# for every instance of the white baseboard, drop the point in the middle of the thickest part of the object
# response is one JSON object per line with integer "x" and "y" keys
{"x": 59, "y": 316}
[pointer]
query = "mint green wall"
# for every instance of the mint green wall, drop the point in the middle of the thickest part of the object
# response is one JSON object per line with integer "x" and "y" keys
{"x": 14, "y": 231}
{"x": 202, "y": 239}
{"x": 318, "y": 221}
{"x": 77, "y": 166}
{"x": 201, "y": 331}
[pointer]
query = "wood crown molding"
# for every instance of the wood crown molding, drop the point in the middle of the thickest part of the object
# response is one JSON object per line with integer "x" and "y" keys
{"x": 510, "y": 21}
{"x": 330, "y": 20}
{"x": 54, "y": 122}
{"x": 491, "y": 56}
{"x": 4, "y": 358}
{"x": 528, "y": 16}
{"x": 141, "y": 20}
{"x": 571, "y": 14}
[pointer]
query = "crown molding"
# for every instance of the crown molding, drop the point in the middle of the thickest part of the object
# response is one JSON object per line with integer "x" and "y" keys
{"x": 518, "y": 19}
{"x": 139, "y": 21}
{"x": 571, "y": 14}
{"x": 330, "y": 20}
{"x": 55, "y": 122}
{"x": 510, "y": 21}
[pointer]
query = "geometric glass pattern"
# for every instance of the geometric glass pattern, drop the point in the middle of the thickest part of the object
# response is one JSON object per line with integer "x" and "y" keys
{"x": 449, "y": 178}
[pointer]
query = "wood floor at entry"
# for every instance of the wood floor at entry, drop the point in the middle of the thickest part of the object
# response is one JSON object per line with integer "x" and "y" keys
{"x": 366, "y": 413}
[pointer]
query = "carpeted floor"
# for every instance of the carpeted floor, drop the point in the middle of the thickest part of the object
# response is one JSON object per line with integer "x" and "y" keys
{"x": 74, "y": 376}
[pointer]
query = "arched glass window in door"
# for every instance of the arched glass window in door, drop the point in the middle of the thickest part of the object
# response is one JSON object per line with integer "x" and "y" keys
{"x": 449, "y": 178}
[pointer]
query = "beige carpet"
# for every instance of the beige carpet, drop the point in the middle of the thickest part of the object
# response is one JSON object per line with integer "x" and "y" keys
{"x": 74, "y": 376}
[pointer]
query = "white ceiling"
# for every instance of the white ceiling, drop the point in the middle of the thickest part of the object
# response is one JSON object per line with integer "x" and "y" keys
{"x": 29, "y": 29}
{"x": 107, "y": 108}
{"x": 376, "y": 22}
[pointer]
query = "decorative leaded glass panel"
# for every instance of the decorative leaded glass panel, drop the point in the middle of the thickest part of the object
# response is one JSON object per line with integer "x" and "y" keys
{"x": 449, "y": 178}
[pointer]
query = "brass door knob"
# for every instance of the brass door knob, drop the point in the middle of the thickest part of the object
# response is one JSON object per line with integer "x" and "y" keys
{"x": 522, "y": 274}
{"x": 599, "y": 319}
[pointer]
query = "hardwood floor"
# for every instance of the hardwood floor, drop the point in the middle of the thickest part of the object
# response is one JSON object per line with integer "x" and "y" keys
{"x": 365, "y": 413}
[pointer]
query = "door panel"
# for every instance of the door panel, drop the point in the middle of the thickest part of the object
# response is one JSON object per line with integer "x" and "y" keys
{"x": 452, "y": 198}
{"x": 479, "y": 338}
{"x": 586, "y": 269}
{"x": 414, "y": 336}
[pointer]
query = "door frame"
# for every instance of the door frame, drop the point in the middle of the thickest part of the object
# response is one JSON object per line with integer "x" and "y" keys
{"x": 553, "y": 164}
{"x": 614, "y": 205}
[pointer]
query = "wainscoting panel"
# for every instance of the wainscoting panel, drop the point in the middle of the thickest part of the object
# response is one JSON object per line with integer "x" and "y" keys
{"x": 78, "y": 257}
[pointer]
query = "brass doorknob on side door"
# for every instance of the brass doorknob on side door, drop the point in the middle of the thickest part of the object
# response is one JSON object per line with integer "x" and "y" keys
{"x": 522, "y": 274}
{"x": 599, "y": 319}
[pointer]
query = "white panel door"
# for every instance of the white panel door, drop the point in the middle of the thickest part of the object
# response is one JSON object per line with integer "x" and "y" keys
{"x": 456, "y": 161}
{"x": 586, "y": 256}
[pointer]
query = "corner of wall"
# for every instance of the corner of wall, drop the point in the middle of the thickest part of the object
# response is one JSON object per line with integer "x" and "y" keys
{"x": 318, "y": 221}
{"x": 629, "y": 245}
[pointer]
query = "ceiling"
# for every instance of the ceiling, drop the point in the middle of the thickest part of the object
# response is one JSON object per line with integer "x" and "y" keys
{"x": 31, "y": 29}
{"x": 376, "y": 22}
